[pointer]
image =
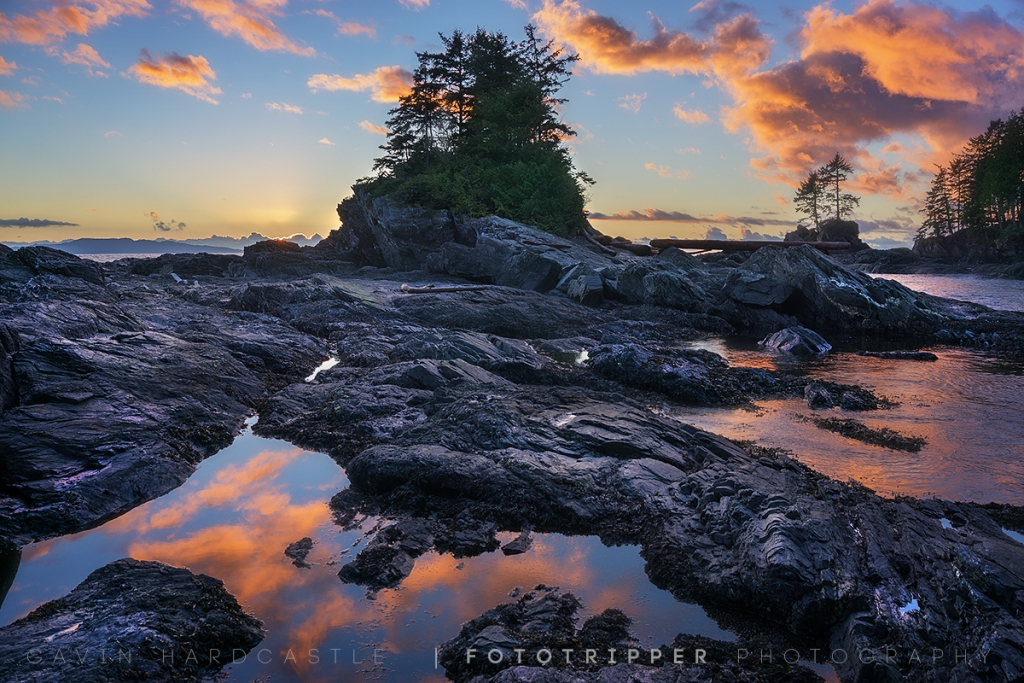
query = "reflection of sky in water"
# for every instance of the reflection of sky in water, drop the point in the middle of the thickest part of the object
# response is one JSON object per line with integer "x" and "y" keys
{"x": 1007, "y": 295}
{"x": 237, "y": 513}
{"x": 966, "y": 406}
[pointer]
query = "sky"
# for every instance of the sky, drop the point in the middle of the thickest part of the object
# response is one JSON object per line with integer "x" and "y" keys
{"x": 190, "y": 118}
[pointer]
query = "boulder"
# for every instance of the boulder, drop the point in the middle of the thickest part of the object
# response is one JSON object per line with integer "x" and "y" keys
{"x": 587, "y": 289}
{"x": 131, "y": 621}
{"x": 803, "y": 282}
{"x": 298, "y": 551}
{"x": 796, "y": 341}
{"x": 660, "y": 284}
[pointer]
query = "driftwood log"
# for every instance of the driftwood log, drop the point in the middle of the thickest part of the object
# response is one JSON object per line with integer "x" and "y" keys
{"x": 744, "y": 245}
{"x": 431, "y": 289}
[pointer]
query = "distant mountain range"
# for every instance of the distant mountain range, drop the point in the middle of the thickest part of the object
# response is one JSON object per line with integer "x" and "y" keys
{"x": 215, "y": 244}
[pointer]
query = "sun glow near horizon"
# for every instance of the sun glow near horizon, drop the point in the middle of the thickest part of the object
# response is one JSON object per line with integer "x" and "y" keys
{"x": 233, "y": 126}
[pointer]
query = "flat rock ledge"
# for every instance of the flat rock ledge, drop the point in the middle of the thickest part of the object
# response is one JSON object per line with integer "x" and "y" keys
{"x": 130, "y": 621}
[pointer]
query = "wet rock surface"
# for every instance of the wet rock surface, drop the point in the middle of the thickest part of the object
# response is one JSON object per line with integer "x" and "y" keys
{"x": 298, "y": 551}
{"x": 536, "y": 639}
{"x": 112, "y": 392}
{"x": 130, "y": 620}
{"x": 796, "y": 341}
{"x": 513, "y": 409}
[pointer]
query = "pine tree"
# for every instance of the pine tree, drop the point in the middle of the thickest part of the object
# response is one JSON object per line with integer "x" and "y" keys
{"x": 809, "y": 198}
{"x": 833, "y": 174}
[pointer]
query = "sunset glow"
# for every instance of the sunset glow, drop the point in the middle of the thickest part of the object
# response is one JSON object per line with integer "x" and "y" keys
{"x": 243, "y": 115}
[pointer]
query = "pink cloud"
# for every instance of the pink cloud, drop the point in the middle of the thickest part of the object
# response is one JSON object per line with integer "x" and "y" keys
{"x": 249, "y": 20}
{"x": 87, "y": 57}
{"x": 386, "y": 83}
{"x": 12, "y": 100}
{"x": 190, "y": 74}
{"x": 48, "y": 26}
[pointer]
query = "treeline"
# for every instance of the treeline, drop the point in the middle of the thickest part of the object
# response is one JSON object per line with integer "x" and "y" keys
{"x": 981, "y": 190}
{"x": 480, "y": 134}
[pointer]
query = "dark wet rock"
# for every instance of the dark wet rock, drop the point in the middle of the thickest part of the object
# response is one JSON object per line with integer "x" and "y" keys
{"x": 503, "y": 312}
{"x": 885, "y": 437}
{"x": 519, "y": 545}
{"x": 10, "y": 343}
{"x": 108, "y": 422}
{"x": 796, "y": 341}
{"x": 130, "y": 620}
{"x": 764, "y": 536}
{"x": 821, "y": 395}
{"x": 510, "y": 642}
{"x": 679, "y": 258}
{"x": 378, "y": 231}
{"x": 4, "y": 250}
{"x": 188, "y": 265}
{"x": 115, "y": 393}
{"x": 689, "y": 376}
{"x": 298, "y": 551}
{"x": 46, "y": 260}
{"x": 803, "y": 282}
{"x": 901, "y": 355}
{"x": 389, "y": 556}
{"x": 660, "y": 283}
{"x": 566, "y": 350}
{"x": 507, "y": 357}
{"x": 587, "y": 290}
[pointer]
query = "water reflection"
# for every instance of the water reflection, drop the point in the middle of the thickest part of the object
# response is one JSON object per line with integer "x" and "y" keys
{"x": 966, "y": 406}
{"x": 238, "y": 512}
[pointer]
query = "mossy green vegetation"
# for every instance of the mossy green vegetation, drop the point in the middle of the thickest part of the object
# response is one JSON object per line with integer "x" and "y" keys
{"x": 479, "y": 134}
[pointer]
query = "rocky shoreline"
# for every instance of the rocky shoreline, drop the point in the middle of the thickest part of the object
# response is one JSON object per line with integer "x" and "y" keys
{"x": 535, "y": 401}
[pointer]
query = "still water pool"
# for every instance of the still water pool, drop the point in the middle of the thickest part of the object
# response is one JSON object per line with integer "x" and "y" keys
{"x": 239, "y": 511}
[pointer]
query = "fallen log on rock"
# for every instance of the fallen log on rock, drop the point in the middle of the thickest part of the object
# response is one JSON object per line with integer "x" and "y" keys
{"x": 431, "y": 289}
{"x": 743, "y": 245}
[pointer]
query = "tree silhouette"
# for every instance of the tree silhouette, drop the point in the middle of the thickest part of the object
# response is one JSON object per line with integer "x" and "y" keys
{"x": 833, "y": 174}
{"x": 810, "y": 196}
{"x": 479, "y": 133}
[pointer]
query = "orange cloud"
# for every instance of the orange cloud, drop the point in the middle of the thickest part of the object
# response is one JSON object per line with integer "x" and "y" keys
{"x": 373, "y": 128}
{"x": 325, "y": 141}
{"x": 249, "y": 20}
{"x": 45, "y": 27}
{"x": 188, "y": 74}
{"x": 348, "y": 28}
{"x": 415, "y": 4}
{"x": 12, "y": 100}
{"x": 387, "y": 83}
{"x": 668, "y": 171}
{"x": 284, "y": 107}
{"x": 606, "y": 46}
{"x": 884, "y": 69}
{"x": 87, "y": 57}
{"x": 690, "y": 115}
{"x": 6, "y": 67}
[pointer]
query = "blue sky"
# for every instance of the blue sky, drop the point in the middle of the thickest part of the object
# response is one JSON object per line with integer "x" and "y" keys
{"x": 188, "y": 118}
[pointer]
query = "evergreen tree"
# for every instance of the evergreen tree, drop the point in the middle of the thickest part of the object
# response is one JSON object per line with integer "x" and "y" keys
{"x": 479, "y": 133}
{"x": 810, "y": 196}
{"x": 833, "y": 174}
{"x": 981, "y": 190}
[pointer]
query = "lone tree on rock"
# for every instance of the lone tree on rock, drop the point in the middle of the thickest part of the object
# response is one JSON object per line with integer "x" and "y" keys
{"x": 821, "y": 192}
{"x": 479, "y": 133}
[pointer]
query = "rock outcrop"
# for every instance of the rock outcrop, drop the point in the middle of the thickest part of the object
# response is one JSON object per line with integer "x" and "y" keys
{"x": 802, "y": 282}
{"x": 535, "y": 639}
{"x": 130, "y": 621}
{"x": 111, "y": 395}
